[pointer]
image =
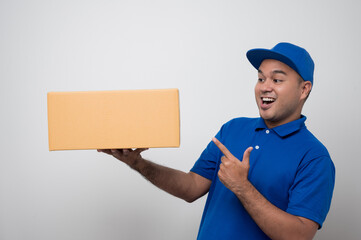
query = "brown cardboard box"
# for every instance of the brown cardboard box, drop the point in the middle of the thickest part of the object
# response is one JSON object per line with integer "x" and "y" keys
{"x": 113, "y": 119}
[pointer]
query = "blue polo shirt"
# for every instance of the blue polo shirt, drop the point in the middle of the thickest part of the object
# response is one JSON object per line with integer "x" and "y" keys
{"x": 288, "y": 166}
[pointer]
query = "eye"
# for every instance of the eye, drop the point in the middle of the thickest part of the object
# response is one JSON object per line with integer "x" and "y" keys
{"x": 277, "y": 80}
{"x": 260, "y": 80}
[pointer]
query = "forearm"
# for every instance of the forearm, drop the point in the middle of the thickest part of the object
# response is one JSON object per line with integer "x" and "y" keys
{"x": 172, "y": 181}
{"x": 274, "y": 222}
{"x": 188, "y": 186}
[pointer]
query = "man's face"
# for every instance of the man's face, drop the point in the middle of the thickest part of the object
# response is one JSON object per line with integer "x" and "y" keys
{"x": 279, "y": 92}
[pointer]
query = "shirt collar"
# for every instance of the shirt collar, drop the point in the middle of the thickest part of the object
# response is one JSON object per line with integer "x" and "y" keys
{"x": 285, "y": 129}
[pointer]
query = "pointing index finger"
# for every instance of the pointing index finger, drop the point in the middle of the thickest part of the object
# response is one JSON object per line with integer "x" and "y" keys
{"x": 223, "y": 148}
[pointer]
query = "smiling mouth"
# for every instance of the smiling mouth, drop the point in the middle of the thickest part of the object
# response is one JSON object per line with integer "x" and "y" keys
{"x": 267, "y": 100}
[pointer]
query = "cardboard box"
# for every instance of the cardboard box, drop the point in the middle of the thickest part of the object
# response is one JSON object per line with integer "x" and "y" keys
{"x": 113, "y": 119}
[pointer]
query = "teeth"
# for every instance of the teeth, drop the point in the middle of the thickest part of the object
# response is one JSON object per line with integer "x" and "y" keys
{"x": 266, "y": 99}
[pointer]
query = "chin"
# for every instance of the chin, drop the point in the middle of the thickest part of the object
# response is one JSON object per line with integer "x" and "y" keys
{"x": 266, "y": 116}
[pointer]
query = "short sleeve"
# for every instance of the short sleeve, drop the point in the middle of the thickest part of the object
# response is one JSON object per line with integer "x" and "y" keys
{"x": 207, "y": 163}
{"x": 311, "y": 193}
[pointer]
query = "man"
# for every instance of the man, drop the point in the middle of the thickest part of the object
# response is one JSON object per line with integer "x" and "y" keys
{"x": 267, "y": 177}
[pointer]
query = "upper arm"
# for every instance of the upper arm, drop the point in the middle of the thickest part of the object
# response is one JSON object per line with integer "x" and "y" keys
{"x": 309, "y": 227}
{"x": 198, "y": 186}
{"x": 311, "y": 192}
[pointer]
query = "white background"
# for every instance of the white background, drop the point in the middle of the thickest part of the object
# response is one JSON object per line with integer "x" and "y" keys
{"x": 198, "y": 47}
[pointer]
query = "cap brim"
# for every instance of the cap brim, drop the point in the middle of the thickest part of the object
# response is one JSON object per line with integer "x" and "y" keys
{"x": 257, "y": 55}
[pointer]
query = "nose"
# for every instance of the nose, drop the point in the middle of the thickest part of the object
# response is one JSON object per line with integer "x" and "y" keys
{"x": 266, "y": 86}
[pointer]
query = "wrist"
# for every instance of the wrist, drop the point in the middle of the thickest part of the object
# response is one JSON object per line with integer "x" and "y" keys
{"x": 137, "y": 163}
{"x": 243, "y": 188}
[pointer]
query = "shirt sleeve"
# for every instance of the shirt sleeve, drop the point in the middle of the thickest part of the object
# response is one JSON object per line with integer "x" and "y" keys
{"x": 311, "y": 193}
{"x": 208, "y": 162}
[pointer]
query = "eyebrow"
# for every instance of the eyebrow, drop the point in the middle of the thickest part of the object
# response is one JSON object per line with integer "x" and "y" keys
{"x": 279, "y": 71}
{"x": 274, "y": 72}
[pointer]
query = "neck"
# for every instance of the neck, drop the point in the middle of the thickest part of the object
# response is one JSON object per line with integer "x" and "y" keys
{"x": 272, "y": 124}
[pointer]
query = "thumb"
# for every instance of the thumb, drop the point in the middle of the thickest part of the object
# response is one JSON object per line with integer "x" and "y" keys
{"x": 139, "y": 150}
{"x": 246, "y": 155}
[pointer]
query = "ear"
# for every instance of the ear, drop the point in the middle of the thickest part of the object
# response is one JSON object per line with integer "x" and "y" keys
{"x": 306, "y": 89}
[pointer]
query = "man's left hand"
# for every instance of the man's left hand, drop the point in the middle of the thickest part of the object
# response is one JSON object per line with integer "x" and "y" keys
{"x": 233, "y": 172}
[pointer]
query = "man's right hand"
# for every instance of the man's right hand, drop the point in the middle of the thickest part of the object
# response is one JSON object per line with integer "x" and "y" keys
{"x": 129, "y": 156}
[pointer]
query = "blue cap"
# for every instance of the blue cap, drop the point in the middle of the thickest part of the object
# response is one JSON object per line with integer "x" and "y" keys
{"x": 294, "y": 56}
